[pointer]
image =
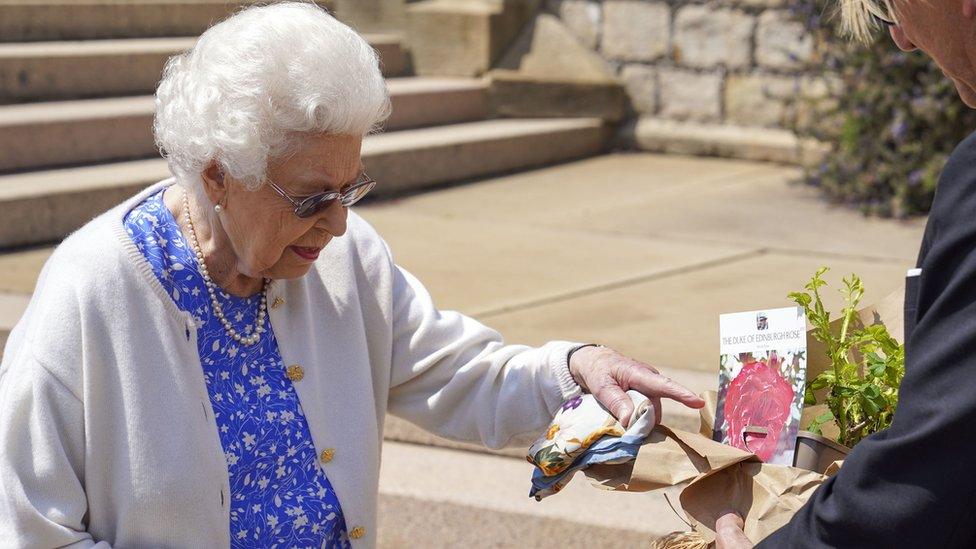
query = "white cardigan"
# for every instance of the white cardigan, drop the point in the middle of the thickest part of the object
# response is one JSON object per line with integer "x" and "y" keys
{"x": 107, "y": 436}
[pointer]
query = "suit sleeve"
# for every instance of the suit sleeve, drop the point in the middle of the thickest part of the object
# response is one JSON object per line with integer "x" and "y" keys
{"x": 913, "y": 485}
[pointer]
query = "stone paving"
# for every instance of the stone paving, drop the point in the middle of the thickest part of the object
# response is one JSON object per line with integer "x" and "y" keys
{"x": 638, "y": 251}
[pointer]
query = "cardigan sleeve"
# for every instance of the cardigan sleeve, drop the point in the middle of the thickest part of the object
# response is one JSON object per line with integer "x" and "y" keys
{"x": 455, "y": 377}
{"x": 42, "y": 497}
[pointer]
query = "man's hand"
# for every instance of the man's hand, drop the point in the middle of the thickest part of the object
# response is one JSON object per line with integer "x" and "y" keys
{"x": 729, "y": 534}
{"x": 609, "y": 375}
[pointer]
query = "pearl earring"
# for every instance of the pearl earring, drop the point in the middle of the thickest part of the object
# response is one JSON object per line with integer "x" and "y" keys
{"x": 218, "y": 208}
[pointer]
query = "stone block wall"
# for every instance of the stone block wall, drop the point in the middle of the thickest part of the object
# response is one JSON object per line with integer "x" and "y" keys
{"x": 728, "y": 62}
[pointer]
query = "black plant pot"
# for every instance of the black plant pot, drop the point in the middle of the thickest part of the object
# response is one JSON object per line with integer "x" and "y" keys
{"x": 816, "y": 453}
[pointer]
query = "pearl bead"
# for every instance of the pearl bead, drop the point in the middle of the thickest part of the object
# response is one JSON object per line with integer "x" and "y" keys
{"x": 218, "y": 311}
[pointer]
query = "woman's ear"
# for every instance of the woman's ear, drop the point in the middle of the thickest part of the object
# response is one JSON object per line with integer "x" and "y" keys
{"x": 214, "y": 182}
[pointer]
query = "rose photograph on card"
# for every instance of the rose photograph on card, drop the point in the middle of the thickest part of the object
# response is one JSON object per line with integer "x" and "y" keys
{"x": 762, "y": 375}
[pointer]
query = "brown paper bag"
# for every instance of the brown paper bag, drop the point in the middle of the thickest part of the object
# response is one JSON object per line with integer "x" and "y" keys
{"x": 719, "y": 478}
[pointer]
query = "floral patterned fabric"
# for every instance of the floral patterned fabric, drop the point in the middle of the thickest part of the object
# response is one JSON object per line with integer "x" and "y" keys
{"x": 280, "y": 496}
{"x": 584, "y": 433}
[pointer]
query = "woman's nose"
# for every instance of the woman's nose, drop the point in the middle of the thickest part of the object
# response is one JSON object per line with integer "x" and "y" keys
{"x": 900, "y": 39}
{"x": 334, "y": 217}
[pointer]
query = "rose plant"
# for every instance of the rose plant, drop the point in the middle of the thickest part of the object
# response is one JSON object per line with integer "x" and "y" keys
{"x": 866, "y": 365}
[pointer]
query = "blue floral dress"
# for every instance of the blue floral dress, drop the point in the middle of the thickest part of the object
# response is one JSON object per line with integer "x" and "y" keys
{"x": 280, "y": 496}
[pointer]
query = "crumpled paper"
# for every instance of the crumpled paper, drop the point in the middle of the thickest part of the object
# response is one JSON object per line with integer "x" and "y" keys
{"x": 719, "y": 477}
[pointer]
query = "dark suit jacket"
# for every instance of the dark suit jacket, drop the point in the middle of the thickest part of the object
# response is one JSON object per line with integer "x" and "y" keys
{"x": 914, "y": 485}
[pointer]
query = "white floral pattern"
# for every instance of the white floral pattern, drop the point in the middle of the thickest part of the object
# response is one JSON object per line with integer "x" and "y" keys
{"x": 280, "y": 496}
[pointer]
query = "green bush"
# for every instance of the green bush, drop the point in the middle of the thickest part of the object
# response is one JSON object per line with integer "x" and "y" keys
{"x": 894, "y": 120}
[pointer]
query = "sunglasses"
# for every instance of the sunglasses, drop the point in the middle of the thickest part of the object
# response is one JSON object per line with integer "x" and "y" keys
{"x": 882, "y": 22}
{"x": 308, "y": 206}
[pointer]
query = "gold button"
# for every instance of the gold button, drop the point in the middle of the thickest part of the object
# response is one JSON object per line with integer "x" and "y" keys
{"x": 327, "y": 455}
{"x": 357, "y": 532}
{"x": 295, "y": 372}
{"x": 277, "y": 301}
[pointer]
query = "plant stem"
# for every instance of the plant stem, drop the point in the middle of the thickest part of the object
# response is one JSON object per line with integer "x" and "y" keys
{"x": 841, "y": 354}
{"x": 857, "y": 429}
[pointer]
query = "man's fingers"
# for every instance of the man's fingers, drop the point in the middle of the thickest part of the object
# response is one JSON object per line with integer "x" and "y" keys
{"x": 616, "y": 400}
{"x": 652, "y": 384}
{"x": 730, "y": 519}
{"x": 729, "y": 534}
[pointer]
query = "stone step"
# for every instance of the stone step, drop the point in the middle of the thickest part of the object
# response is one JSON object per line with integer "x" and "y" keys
{"x": 35, "y": 71}
{"x": 47, "y": 205}
{"x": 693, "y": 138}
{"x": 394, "y": 57}
{"x": 435, "y": 497}
{"x": 372, "y": 15}
{"x": 463, "y": 37}
{"x": 33, "y": 20}
{"x": 416, "y": 159}
{"x": 64, "y": 133}
{"x": 430, "y": 101}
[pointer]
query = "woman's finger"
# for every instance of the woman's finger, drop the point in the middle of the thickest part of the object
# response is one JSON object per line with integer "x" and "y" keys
{"x": 613, "y": 398}
{"x": 659, "y": 413}
{"x": 657, "y": 385}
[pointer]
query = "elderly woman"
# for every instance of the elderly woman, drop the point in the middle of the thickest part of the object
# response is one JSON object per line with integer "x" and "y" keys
{"x": 913, "y": 485}
{"x": 210, "y": 362}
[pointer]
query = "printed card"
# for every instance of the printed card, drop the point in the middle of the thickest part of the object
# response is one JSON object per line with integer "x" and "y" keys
{"x": 762, "y": 376}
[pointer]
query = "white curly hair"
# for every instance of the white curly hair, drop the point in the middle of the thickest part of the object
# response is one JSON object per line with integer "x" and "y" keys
{"x": 254, "y": 83}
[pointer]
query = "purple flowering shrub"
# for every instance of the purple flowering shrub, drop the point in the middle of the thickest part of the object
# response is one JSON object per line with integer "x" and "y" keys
{"x": 889, "y": 127}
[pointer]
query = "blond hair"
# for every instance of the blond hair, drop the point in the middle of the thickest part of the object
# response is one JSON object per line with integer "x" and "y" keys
{"x": 857, "y": 17}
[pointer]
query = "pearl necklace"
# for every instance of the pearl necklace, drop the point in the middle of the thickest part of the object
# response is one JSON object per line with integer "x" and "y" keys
{"x": 212, "y": 288}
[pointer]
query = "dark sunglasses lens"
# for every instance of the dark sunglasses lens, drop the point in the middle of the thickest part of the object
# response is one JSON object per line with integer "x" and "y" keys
{"x": 356, "y": 194}
{"x": 882, "y": 22}
{"x": 312, "y": 205}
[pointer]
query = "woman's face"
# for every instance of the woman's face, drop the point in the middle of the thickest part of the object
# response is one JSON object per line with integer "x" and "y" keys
{"x": 946, "y": 31}
{"x": 268, "y": 239}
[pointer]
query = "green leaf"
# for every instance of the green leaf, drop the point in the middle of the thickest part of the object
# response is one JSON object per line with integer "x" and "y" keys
{"x": 877, "y": 369}
{"x": 821, "y": 381}
{"x": 824, "y": 417}
{"x": 816, "y": 426}
{"x": 801, "y": 299}
{"x": 808, "y": 397}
